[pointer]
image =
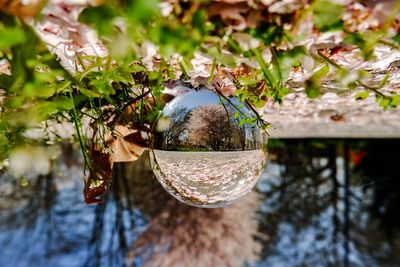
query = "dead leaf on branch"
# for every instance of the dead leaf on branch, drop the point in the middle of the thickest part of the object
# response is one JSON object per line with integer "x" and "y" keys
{"x": 125, "y": 144}
{"x": 99, "y": 178}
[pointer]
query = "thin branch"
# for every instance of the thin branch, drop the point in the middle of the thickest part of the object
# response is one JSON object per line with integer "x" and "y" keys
{"x": 330, "y": 61}
{"x": 259, "y": 118}
{"x": 214, "y": 66}
{"x": 368, "y": 87}
{"x": 78, "y": 131}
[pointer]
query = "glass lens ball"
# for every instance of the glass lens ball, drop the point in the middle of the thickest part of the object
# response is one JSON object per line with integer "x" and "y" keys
{"x": 208, "y": 151}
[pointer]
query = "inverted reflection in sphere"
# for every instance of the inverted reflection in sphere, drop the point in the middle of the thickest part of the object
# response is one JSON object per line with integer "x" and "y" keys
{"x": 205, "y": 156}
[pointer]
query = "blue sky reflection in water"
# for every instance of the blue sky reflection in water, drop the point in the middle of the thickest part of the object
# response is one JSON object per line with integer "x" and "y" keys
{"x": 310, "y": 214}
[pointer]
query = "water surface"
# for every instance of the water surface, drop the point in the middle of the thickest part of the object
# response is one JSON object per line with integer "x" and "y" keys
{"x": 318, "y": 203}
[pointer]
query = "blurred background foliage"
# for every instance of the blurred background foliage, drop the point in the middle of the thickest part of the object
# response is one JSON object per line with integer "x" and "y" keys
{"x": 37, "y": 88}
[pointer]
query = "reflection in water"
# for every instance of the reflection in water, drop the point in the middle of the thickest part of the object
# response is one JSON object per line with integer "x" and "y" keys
{"x": 208, "y": 179}
{"x": 316, "y": 207}
{"x": 308, "y": 213}
{"x": 181, "y": 235}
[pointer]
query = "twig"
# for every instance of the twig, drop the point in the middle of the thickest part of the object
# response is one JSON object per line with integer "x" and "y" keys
{"x": 130, "y": 103}
{"x": 330, "y": 61}
{"x": 78, "y": 131}
{"x": 212, "y": 71}
{"x": 259, "y": 118}
{"x": 374, "y": 89}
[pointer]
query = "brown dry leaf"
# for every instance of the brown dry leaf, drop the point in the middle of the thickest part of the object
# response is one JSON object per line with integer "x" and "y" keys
{"x": 127, "y": 144}
{"x": 127, "y": 148}
{"x": 100, "y": 176}
{"x": 20, "y": 9}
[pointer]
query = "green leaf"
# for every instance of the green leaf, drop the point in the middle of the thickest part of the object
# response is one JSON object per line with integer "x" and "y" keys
{"x": 268, "y": 33}
{"x": 246, "y": 120}
{"x": 257, "y": 102}
{"x": 384, "y": 102}
{"x": 136, "y": 68}
{"x": 327, "y": 16}
{"x": 248, "y": 81}
{"x": 313, "y": 84}
{"x": 366, "y": 42}
{"x": 63, "y": 103}
{"x": 234, "y": 46}
{"x": 5, "y": 81}
{"x": 11, "y": 37}
{"x": 227, "y": 60}
{"x": 321, "y": 72}
{"x": 101, "y": 17}
{"x": 396, "y": 38}
{"x": 362, "y": 95}
{"x": 88, "y": 93}
{"x": 142, "y": 10}
{"x": 104, "y": 87}
{"x": 268, "y": 76}
{"x": 199, "y": 21}
{"x": 395, "y": 101}
{"x": 313, "y": 90}
{"x": 288, "y": 59}
{"x": 38, "y": 89}
{"x": 154, "y": 75}
{"x": 384, "y": 80}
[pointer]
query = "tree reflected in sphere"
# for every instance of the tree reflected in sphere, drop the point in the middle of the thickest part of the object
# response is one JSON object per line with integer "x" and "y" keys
{"x": 209, "y": 151}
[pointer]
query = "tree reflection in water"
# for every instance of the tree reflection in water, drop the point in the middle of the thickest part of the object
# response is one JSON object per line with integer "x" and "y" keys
{"x": 321, "y": 200}
{"x": 180, "y": 235}
{"x": 308, "y": 214}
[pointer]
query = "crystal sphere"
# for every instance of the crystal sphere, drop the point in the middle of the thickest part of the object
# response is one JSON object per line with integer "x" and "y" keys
{"x": 208, "y": 151}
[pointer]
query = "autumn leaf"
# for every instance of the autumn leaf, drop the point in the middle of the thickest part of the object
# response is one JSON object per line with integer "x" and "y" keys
{"x": 124, "y": 144}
